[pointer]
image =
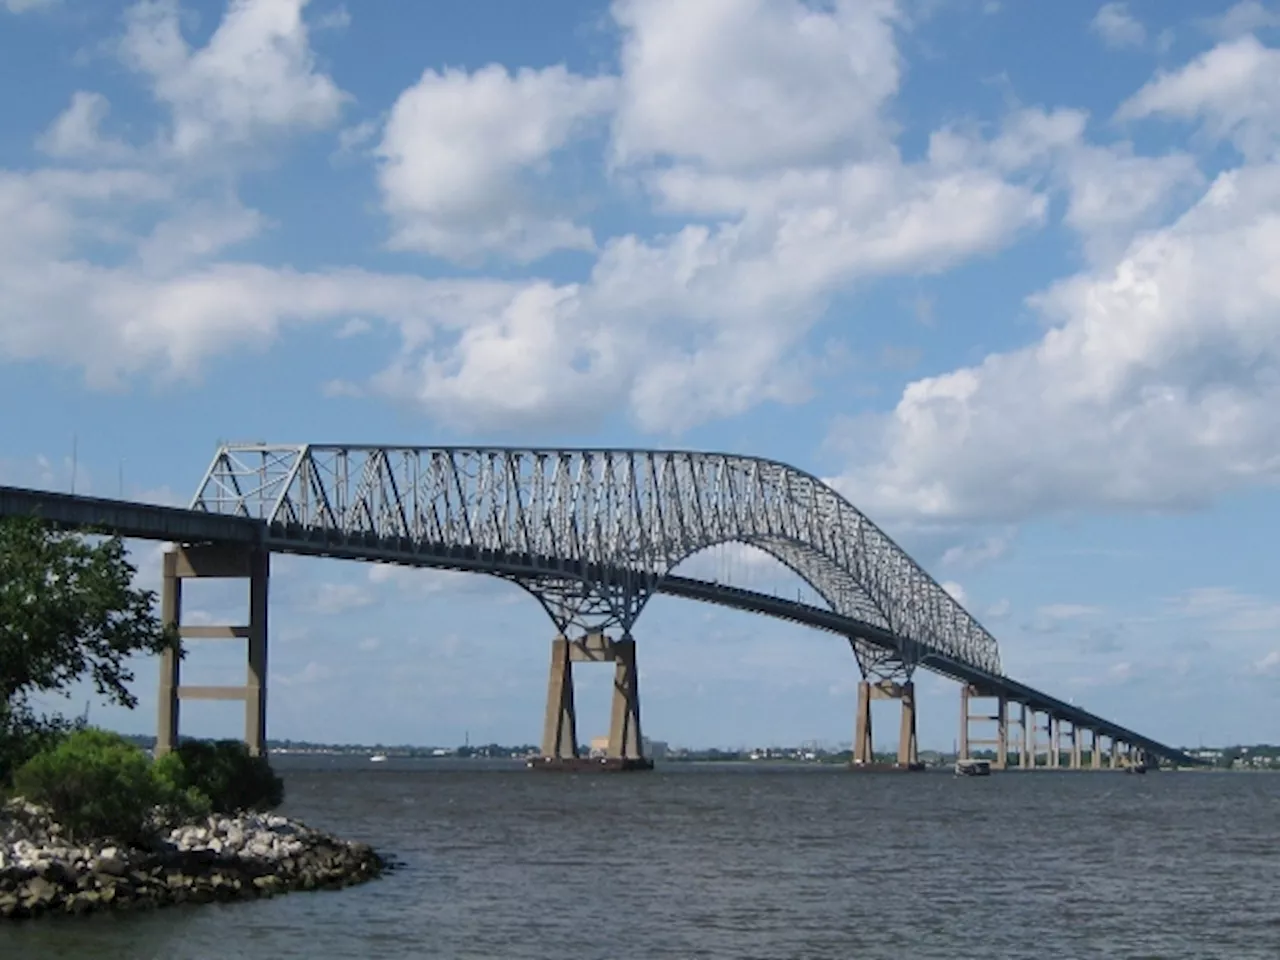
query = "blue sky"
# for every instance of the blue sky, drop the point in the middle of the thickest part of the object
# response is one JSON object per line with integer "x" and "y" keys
{"x": 1006, "y": 273}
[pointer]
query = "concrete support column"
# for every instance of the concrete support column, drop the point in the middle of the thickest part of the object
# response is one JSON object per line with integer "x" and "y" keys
{"x": 1027, "y": 757}
{"x": 1055, "y": 738}
{"x": 1115, "y": 753}
{"x": 255, "y": 694}
{"x": 624, "y": 726}
{"x": 1002, "y": 735}
{"x": 908, "y": 752}
{"x": 220, "y": 561}
{"x": 559, "y": 732}
{"x": 862, "y": 743}
{"x": 1076, "y": 748}
{"x": 964, "y": 721}
{"x": 171, "y": 659}
{"x": 1095, "y": 752}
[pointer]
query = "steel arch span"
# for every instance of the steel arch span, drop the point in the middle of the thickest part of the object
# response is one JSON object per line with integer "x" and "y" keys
{"x": 591, "y": 533}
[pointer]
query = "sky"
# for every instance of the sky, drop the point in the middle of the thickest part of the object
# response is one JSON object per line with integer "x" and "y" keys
{"x": 1005, "y": 273}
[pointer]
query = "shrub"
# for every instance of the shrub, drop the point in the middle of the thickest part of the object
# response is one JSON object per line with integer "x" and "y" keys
{"x": 178, "y": 801}
{"x": 95, "y": 783}
{"x": 23, "y": 735}
{"x": 225, "y": 773}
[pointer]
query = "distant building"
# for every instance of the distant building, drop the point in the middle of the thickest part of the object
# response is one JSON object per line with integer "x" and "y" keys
{"x": 653, "y": 749}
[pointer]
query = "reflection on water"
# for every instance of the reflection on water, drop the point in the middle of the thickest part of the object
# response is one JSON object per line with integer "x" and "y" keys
{"x": 745, "y": 862}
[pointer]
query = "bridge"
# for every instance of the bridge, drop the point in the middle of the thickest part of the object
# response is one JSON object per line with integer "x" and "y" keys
{"x": 592, "y": 535}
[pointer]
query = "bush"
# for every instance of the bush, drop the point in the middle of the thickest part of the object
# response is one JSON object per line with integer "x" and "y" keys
{"x": 224, "y": 772}
{"x": 95, "y": 783}
{"x": 23, "y": 735}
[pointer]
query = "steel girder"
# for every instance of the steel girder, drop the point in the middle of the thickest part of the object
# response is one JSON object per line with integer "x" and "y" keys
{"x": 590, "y": 532}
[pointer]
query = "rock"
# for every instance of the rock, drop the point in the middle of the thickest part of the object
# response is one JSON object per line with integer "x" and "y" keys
{"x": 110, "y": 864}
{"x": 220, "y": 858}
{"x": 38, "y": 894}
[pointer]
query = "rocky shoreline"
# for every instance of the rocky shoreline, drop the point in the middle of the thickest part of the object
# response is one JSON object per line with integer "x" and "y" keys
{"x": 222, "y": 858}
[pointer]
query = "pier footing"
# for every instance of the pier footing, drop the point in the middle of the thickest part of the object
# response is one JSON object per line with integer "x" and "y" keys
{"x": 886, "y": 767}
{"x": 590, "y": 764}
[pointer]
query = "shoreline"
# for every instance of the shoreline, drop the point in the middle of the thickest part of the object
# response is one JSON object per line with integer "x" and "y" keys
{"x": 220, "y": 858}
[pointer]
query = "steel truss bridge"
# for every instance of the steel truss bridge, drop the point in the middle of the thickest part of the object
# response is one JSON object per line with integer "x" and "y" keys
{"x": 592, "y": 535}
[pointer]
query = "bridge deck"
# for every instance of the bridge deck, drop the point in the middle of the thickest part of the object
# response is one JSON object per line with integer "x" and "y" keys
{"x": 153, "y": 522}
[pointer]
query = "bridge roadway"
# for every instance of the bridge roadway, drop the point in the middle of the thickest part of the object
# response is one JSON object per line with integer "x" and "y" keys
{"x": 153, "y": 522}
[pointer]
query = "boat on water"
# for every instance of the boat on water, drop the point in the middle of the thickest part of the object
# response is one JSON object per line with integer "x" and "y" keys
{"x": 378, "y": 758}
{"x": 973, "y": 768}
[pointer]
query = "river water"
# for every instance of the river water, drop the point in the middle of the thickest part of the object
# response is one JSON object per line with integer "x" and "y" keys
{"x": 746, "y": 862}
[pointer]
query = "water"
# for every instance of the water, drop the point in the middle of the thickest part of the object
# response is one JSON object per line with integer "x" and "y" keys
{"x": 745, "y": 862}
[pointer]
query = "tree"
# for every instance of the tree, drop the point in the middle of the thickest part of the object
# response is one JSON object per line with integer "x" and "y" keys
{"x": 68, "y": 609}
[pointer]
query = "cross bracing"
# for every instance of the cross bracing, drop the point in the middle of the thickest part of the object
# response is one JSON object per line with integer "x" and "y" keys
{"x": 591, "y": 533}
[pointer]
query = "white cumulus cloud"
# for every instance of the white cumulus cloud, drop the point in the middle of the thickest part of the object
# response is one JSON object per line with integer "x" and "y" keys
{"x": 1118, "y": 27}
{"x": 256, "y": 76}
{"x": 1155, "y": 385}
{"x": 1231, "y": 90}
{"x": 461, "y": 151}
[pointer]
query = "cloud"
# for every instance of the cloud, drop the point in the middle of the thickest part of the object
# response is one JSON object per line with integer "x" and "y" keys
{"x": 968, "y": 557}
{"x": 313, "y": 673}
{"x": 1118, "y": 27}
{"x": 956, "y": 591}
{"x": 1269, "y": 663}
{"x": 742, "y": 85}
{"x": 1249, "y": 16}
{"x": 1111, "y": 193}
{"x": 1229, "y": 90}
{"x": 22, "y": 6}
{"x": 429, "y": 582}
{"x": 334, "y": 598}
{"x": 460, "y": 152}
{"x": 1229, "y": 610}
{"x": 710, "y": 319}
{"x": 256, "y": 77}
{"x": 1066, "y": 611}
{"x": 76, "y": 133}
{"x": 1153, "y": 387}
{"x": 676, "y": 329}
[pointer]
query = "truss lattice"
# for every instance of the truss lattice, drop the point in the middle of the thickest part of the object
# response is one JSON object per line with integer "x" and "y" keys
{"x": 614, "y": 521}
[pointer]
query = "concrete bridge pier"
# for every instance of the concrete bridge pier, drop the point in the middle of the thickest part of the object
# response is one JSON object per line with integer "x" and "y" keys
{"x": 221, "y": 561}
{"x": 1023, "y": 743}
{"x": 1047, "y": 743}
{"x": 559, "y": 732}
{"x": 908, "y": 747}
{"x": 1000, "y": 742}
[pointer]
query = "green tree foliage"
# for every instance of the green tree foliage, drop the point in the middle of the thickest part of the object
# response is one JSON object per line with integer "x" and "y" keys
{"x": 68, "y": 609}
{"x": 225, "y": 773}
{"x": 95, "y": 783}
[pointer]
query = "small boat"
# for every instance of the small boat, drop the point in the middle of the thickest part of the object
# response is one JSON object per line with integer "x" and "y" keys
{"x": 378, "y": 758}
{"x": 973, "y": 768}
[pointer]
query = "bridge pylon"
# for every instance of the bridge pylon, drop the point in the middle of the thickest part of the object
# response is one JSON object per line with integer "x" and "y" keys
{"x": 583, "y": 612}
{"x": 885, "y": 676}
{"x": 559, "y": 733}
